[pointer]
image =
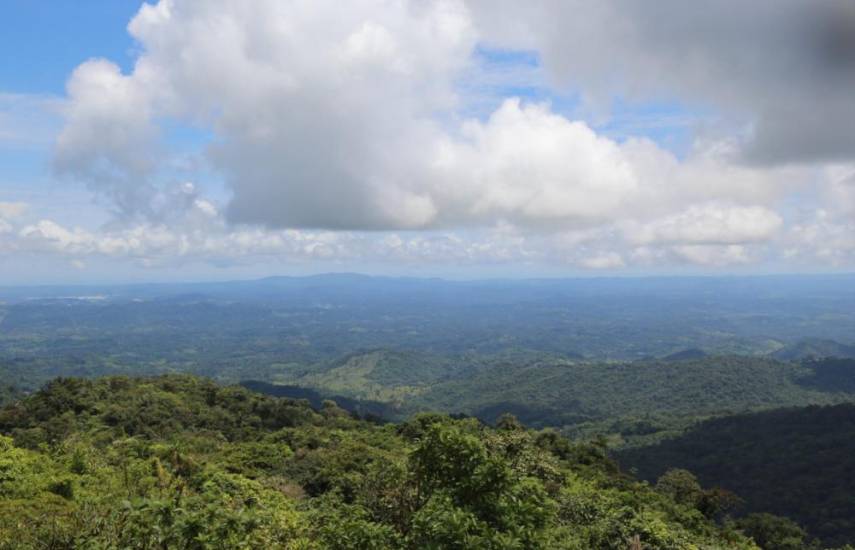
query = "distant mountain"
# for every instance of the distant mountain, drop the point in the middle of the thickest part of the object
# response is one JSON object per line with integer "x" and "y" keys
{"x": 686, "y": 354}
{"x": 319, "y": 318}
{"x": 814, "y": 348}
{"x": 795, "y": 462}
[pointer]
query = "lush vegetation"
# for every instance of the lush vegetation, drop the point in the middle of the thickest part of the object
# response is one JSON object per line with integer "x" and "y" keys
{"x": 635, "y": 403}
{"x": 616, "y": 363}
{"x": 831, "y": 374}
{"x": 281, "y": 329}
{"x": 815, "y": 348}
{"x": 179, "y": 462}
{"x": 480, "y": 347}
{"x": 550, "y": 394}
{"x": 791, "y": 462}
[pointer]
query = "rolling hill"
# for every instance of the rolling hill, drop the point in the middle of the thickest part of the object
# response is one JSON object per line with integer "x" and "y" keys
{"x": 794, "y": 462}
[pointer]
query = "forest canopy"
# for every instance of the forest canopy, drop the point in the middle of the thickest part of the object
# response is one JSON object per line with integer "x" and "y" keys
{"x": 181, "y": 462}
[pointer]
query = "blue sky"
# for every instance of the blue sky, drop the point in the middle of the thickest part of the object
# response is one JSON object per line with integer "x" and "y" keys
{"x": 42, "y": 42}
{"x": 40, "y": 45}
{"x": 441, "y": 138}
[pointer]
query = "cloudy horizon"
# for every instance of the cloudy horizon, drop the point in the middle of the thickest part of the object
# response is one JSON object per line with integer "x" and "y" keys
{"x": 216, "y": 139}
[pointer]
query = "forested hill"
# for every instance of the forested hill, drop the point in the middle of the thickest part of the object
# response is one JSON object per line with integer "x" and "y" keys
{"x": 180, "y": 462}
{"x": 795, "y": 462}
{"x": 636, "y": 401}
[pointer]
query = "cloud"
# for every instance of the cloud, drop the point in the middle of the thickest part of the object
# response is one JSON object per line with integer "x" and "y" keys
{"x": 9, "y": 211}
{"x": 203, "y": 237}
{"x": 321, "y": 110}
{"x": 839, "y": 189}
{"x": 713, "y": 255}
{"x": 351, "y": 125}
{"x": 609, "y": 260}
{"x": 825, "y": 238}
{"x": 109, "y": 138}
{"x": 784, "y": 67}
{"x": 378, "y": 130}
{"x": 709, "y": 224}
{"x": 527, "y": 165}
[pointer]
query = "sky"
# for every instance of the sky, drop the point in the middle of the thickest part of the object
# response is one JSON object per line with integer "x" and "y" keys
{"x": 217, "y": 139}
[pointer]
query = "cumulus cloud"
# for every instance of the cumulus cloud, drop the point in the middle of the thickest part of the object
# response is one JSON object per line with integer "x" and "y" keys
{"x": 709, "y": 224}
{"x": 825, "y": 238}
{"x": 200, "y": 237}
{"x": 109, "y": 137}
{"x": 839, "y": 190}
{"x": 321, "y": 110}
{"x": 785, "y": 67}
{"x": 351, "y": 131}
{"x": 344, "y": 118}
{"x": 528, "y": 165}
{"x": 8, "y": 212}
{"x": 713, "y": 255}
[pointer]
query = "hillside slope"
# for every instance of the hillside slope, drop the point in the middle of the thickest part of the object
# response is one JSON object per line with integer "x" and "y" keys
{"x": 635, "y": 403}
{"x": 549, "y": 394}
{"x": 814, "y": 348}
{"x": 795, "y": 462}
{"x": 179, "y": 462}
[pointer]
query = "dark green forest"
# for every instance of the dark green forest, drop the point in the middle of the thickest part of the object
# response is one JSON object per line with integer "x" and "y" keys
{"x": 181, "y": 462}
{"x": 794, "y": 462}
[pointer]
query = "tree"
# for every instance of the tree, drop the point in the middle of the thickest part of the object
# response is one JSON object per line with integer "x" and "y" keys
{"x": 772, "y": 532}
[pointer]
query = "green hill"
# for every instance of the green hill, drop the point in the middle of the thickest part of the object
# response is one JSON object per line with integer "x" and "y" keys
{"x": 549, "y": 394}
{"x": 382, "y": 375}
{"x": 795, "y": 462}
{"x": 814, "y": 348}
{"x": 180, "y": 462}
{"x": 633, "y": 402}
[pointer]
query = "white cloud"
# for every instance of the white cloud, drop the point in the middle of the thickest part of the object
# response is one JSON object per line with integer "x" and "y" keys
{"x": 528, "y": 165}
{"x": 47, "y": 235}
{"x": 344, "y": 118}
{"x": 786, "y": 68}
{"x": 346, "y": 131}
{"x": 9, "y": 211}
{"x": 825, "y": 238}
{"x": 202, "y": 238}
{"x": 322, "y": 110}
{"x": 109, "y": 137}
{"x": 713, "y": 255}
{"x": 609, "y": 260}
{"x": 840, "y": 188}
{"x": 709, "y": 224}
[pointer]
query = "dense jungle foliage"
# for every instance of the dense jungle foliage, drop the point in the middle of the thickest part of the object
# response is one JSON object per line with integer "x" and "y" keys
{"x": 180, "y": 462}
{"x": 634, "y": 403}
{"x": 793, "y": 462}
